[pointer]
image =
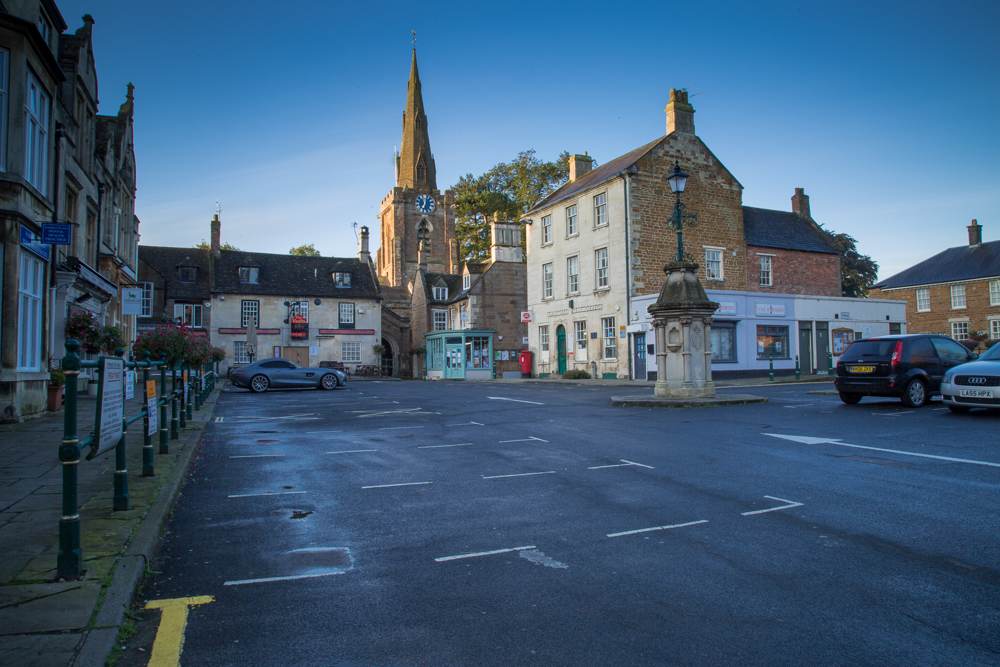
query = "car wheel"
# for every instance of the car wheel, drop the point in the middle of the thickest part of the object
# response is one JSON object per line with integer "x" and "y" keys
{"x": 851, "y": 399}
{"x": 915, "y": 394}
{"x": 958, "y": 409}
{"x": 259, "y": 383}
{"x": 328, "y": 381}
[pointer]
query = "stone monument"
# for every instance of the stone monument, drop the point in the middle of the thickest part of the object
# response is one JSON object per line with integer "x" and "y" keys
{"x": 682, "y": 318}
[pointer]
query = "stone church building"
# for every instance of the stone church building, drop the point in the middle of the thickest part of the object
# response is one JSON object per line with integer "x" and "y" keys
{"x": 424, "y": 285}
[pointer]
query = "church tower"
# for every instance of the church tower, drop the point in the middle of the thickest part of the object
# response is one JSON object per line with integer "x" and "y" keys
{"x": 415, "y": 213}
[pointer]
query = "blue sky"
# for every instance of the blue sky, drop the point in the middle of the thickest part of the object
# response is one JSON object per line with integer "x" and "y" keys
{"x": 885, "y": 112}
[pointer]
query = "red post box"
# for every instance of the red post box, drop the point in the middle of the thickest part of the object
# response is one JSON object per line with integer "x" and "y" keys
{"x": 525, "y": 361}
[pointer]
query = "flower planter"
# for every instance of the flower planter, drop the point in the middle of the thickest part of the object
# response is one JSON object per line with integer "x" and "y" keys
{"x": 55, "y": 398}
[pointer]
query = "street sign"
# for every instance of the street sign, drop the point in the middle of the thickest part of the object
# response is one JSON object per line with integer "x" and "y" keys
{"x": 525, "y": 315}
{"x": 154, "y": 418}
{"x": 129, "y": 385}
{"x": 110, "y": 406}
{"x": 131, "y": 301}
{"x": 56, "y": 233}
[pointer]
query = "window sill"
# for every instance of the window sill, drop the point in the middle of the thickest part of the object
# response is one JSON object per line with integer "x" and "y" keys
{"x": 959, "y": 307}
{"x": 924, "y": 311}
{"x": 602, "y": 290}
{"x": 573, "y": 235}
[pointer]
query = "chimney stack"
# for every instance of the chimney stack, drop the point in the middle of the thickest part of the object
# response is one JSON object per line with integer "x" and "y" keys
{"x": 680, "y": 114}
{"x": 975, "y": 233}
{"x": 800, "y": 203}
{"x": 363, "y": 253}
{"x": 579, "y": 165}
{"x": 216, "y": 235}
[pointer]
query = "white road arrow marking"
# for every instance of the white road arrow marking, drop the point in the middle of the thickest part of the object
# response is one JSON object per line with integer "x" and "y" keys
{"x": 515, "y": 400}
{"x": 836, "y": 441}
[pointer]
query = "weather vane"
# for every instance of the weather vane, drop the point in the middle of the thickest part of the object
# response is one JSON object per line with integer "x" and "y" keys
{"x": 414, "y": 38}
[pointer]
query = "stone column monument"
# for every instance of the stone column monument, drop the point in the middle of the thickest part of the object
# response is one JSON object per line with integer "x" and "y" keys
{"x": 682, "y": 317}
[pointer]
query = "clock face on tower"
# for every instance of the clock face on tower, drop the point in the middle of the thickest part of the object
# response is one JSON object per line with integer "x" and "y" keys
{"x": 425, "y": 204}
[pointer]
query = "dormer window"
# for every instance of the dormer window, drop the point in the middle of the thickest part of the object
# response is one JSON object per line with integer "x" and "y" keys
{"x": 466, "y": 281}
{"x": 188, "y": 274}
{"x": 440, "y": 293}
{"x": 341, "y": 279}
{"x": 249, "y": 274}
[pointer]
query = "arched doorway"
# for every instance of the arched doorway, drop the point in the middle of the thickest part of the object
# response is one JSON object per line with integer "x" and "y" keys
{"x": 388, "y": 361}
{"x": 561, "y": 348}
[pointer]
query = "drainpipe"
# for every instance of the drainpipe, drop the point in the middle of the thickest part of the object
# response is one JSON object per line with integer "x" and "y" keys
{"x": 626, "y": 177}
{"x": 54, "y": 251}
{"x": 100, "y": 216}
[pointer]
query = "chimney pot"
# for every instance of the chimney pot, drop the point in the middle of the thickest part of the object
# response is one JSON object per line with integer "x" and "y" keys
{"x": 363, "y": 253}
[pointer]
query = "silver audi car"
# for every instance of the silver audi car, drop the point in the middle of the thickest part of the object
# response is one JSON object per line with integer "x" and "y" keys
{"x": 975, "y": 384}
{"x": 283, "y": 374}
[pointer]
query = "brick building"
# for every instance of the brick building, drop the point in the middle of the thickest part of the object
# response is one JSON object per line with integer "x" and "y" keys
{"x": 956, "y": 292}
{"x": 603, "y": 238}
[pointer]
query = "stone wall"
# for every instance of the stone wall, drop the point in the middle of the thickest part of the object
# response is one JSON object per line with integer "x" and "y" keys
{"x": 978, "y": 312}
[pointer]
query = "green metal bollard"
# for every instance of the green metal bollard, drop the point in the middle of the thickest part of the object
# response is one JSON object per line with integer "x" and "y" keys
{"x": 148, "y": 469}
{"x": 174, "y": 407}
{"x": 120, "y": 499}
{"x": 69, "y": 563}
{"x": 190, "y": 395}
{"x": 829, "y": 363}
{"x": 164, "y": 433}
{"x": 770, "y": 377}
{"x": 797, "y": 376}
{"x": 180, "y": 396}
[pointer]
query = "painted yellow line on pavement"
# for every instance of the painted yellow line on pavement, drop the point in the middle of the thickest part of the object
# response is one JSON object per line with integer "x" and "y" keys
{"x": 170, "y": 633}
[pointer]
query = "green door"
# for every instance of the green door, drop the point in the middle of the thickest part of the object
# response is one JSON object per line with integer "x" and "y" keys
{"x": 561, "y": 348}
{"x": 454, "y": 361}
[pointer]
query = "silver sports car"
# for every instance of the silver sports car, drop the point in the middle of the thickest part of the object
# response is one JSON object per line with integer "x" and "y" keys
{"x": 281, "y": 373}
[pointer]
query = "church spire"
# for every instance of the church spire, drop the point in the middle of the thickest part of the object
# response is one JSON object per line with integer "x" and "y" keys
{"x": 416, "y": 164}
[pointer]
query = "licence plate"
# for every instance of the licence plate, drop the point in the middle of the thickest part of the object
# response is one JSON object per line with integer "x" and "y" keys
{"x": 862, "y": 369}
{"x": 976, "y": 393}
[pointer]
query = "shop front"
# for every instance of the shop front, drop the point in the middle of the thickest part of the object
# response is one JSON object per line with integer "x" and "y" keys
{"x": 462, "y": 354}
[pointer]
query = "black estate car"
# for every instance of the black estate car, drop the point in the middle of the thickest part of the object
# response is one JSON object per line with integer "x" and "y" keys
{"x": 908, "y": 366}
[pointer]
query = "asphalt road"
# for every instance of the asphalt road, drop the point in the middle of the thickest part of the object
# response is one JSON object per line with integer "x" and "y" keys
{"x": 518, "y": 524}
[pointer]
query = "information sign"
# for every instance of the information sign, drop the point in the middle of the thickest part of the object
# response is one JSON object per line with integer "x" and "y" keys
{"x": 154, "y": 417}
{"x": 129, "y": 385}
{"x": 56, "y": 233}
{"x": 110, "y": 406}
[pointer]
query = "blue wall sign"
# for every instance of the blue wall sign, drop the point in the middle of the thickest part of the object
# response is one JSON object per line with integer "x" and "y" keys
{"x": 31, "y": 241}
{"x": 56, "y": 233}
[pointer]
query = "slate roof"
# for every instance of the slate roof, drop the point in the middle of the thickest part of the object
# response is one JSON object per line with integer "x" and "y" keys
{"x": 166, "y": 261}
{"x": 765, "y": 228}
{"x": 961, "y": 263}
{"x": 453, "y": 282}
{"x": 293, "y": 275}
{"x": 595, "y": 176}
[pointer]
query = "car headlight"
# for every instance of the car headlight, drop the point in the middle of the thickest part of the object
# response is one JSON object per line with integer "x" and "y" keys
{"x": 947, "y": 377}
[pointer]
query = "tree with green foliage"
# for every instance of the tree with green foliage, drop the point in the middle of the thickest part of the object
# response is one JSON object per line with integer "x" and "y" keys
{"x": 509, "y": 189}
{"x": 205, "y": 245}
{"x": 857, "y": 272}
{"x": 307, "y": 250}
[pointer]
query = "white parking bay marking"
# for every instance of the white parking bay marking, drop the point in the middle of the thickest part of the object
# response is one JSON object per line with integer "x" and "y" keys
{"x": 623, "y": 464}
{"x": 314, "y": 432}
{"x": 397, "y": 428}
{"x": 893, "y": 414}
{"x": 462, "y": 444}
{"x": 790, "y": 503}
{"x": 523, "y": 440}
{"x": 520, "y": 474}
{"x": 386, "y": 486}
{"x": 466, "y": 424}
{"x": 254, "y": 456}
{"x": 353, "y": 451}
{"x": 444, "y": 559}
{"x": 647, "y": 530}
{"x": 267, "y": 493}
{"x": 515, "y": 400}
{"x": 836, "y": 441}
{"x": 290, "y": 578}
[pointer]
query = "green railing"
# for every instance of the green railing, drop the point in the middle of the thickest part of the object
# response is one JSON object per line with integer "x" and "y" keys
{"x": 186, "y": 386}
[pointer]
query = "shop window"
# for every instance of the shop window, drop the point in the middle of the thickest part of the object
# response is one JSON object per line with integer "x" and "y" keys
{"x": 772, "y": 342}
{"x": 477, "y": 352}
{"x": 723, "y": 340}
{"x": 435, "y": 348}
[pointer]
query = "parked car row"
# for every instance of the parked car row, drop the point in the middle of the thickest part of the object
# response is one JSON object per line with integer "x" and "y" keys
{"x": 915, "y": 367}
{"x": 282, "y": 373}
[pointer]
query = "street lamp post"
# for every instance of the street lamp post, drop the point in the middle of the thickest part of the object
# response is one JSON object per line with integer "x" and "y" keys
{"x": 677, "y": 180}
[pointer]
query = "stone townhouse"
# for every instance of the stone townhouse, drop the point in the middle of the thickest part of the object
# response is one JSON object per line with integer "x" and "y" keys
{"x": 473, "y": 317}
{"x": 306, "y": 309}
{"x": 601, "y": 240}
{"x": 956, "y": 292}
{"x": 61, "y": 164}
{"x": 423, "y": 283}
